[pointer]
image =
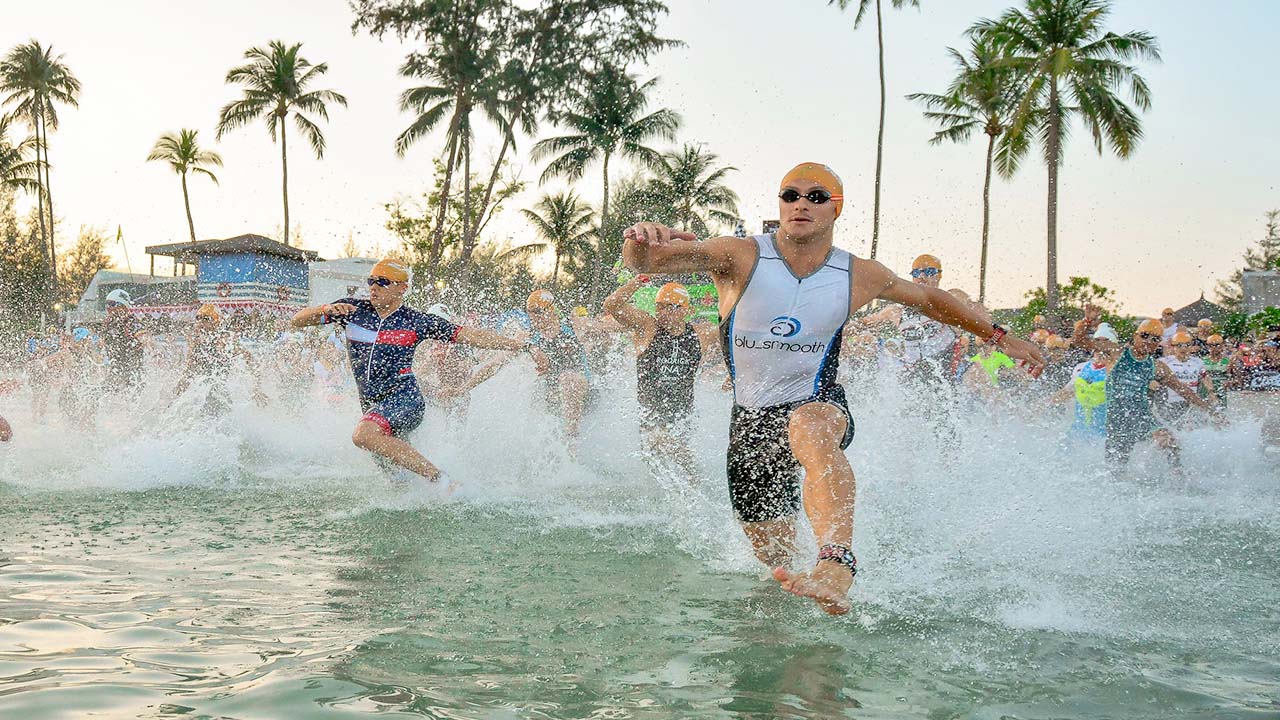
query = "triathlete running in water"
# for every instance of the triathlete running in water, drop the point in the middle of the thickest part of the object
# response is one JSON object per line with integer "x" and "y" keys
{"x": 1190, "y": 371}
{"x": 382, "y": 334}
{"x": 1088, "y": 386}
{"x": 563, "y": 362}
{"x": 1131, "y": 380}
{"x": 122, "y": 338}
{"x": 784, "y": 300}
{"x": 669, "y": 351}
{"x": 211, "y": 350}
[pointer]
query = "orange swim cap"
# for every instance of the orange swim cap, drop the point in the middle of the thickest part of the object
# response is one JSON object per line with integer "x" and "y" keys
{"x": 1057, "y": 342}
{"x": 1182, "y": 337}
{"x": 821, "y": 175}
{"x": 1152, "y": 327}
{"x": 927, "y": 261}
{"x": 1214, "y": 339}
{"x": 392, "y": 270}
{"x": 673, "y": 293}
{"x": 208, "y": 310}
{"x": 1205, "y": 323}
{"x": 539, "y": 300}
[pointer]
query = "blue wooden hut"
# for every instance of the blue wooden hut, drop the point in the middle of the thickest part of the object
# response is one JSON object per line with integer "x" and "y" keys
{"x": 244, "y": 273}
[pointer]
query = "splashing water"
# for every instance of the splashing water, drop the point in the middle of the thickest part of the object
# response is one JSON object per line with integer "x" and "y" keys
{"x": 258, "y": 565}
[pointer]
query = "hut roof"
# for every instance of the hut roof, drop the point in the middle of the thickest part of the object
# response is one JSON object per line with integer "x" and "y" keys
{"x": 248, "y": 243}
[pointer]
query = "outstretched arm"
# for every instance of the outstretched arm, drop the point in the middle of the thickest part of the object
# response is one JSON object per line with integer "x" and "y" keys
{"x": 619, "y": 307}
{"x": 1165, "y": 377}
{"x": 875, "y": 281}
{"x": 320, "y": 314}
{"x": 488, "y": 339}
{"x": 656, "y": 248}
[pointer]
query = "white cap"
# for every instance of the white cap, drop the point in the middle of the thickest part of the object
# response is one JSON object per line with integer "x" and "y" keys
{"x": 440, "y": 310}
{"x": 1105, "y": 332}
{"x": 119, "y": 295}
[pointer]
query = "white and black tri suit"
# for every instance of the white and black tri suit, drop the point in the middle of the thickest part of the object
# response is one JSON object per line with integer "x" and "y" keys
{"x": 781, "y": 342}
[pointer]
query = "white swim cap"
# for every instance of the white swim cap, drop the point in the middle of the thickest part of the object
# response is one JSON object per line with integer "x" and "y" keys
{"x": 1105, "y": 332}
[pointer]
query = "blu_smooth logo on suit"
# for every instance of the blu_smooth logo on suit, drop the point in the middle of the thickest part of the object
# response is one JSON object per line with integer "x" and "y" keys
{"x": 784, "y": 326}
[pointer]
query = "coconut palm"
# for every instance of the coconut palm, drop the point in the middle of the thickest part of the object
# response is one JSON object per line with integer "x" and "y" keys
{"x": 17, "y": 170}
{"x": 564, "y": 225}
{"x": 34, "y": 80}
{"x": 863, "y": 6}
{"x": 183, "y": 153}
{"x": 276, "y": 83}
{"x": 607, "y": 121}
{"x": 1067, "y": 66}
{"x": 462, "y": 84}
{"x": 980, "y": 97}
{"x": 689, "y": 180}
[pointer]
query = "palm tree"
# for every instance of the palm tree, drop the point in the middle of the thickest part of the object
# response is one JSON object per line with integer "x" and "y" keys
{"x": 607, "y": 121}
{"x": 857, "y": 20}
{"x": 980, "y": 96}
{"x": 1067, "y": 65}
{"x": 34, "y": 80}
{"x": 564, "y": 226}
{"x": 184, "y": 154}
{"x": 689, "y": 180}
{"x": 461, "y": 86}
{"x": 275, "y": 83}
{"x": 16, "y": 169}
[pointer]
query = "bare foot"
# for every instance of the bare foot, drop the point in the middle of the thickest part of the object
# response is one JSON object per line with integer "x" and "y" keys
{"x": 826, "y": 584}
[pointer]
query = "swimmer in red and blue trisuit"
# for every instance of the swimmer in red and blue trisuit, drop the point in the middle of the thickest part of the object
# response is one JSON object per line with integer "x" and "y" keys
{"x": 785, "y": 299}
{"x": 382, "y": 334}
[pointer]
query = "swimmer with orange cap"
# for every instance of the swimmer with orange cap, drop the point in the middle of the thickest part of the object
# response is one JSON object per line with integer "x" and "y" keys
{"x": 669, "y": 351}
{"x": 928, "y": 353}
{"x": 562, "y": 362}
{"x": 382, "y": 334}
{"x": 1133, "y": 376}
{"x": 211, "y": 351}
{"x": 1190, "y": 371}
{"x": 784, "y": 299}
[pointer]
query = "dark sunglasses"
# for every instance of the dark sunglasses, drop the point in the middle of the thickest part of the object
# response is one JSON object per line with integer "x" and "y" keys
{"x": 925, "y": 272}
{"x": 817, "y": 197}
{"x": 379, "y": 281}
{"x": 1149, "y": 336}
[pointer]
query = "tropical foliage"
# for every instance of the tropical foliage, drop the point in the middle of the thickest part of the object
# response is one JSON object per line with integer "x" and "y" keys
{"x": 564, "y": 224}
{"x": 183, "y": 153}
{"x": 607, "y": 120}
{"x": 693, "y": 185}
{"x": 34, "y": 81}
{"x": 276, "y": 83}
{"x": 1266, "y": 256}
{"x": 1068, "y": 66}
{"x": 980, "y": 97}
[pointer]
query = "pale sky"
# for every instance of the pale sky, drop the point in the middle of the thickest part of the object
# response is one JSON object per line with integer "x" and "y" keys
{"x": 763, "y": 83}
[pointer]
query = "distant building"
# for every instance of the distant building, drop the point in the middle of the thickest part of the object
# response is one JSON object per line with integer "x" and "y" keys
{"x": 246, "y": 273}
{"x": 1189, "y": 315}
{"x": 147, "y": 291}
{"x": 341, "y": 278}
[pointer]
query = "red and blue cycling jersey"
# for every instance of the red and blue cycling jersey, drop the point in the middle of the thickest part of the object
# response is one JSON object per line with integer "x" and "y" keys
{"x": 381, "y": 349}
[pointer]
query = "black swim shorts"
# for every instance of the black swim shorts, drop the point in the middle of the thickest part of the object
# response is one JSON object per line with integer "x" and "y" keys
{"x": 764, "y": 477}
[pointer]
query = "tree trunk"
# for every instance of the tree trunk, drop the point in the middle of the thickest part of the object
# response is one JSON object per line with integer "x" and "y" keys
{"x": 986, "y": 221}
{"x": 875, "y": 210}
{"x": 493, "y": 181}
{"x": 284, "y": 185}
{"x": 468, "y": 241}
{"x": 555, "y": 271}
{"x": 48, "y": 196}
{"x": 437, "y": 235}
{"x": 44, "y": 235}
{"x": 598, "y": 274}
{"x": 1055, "y": 138}
{"x": 186, "y": 202}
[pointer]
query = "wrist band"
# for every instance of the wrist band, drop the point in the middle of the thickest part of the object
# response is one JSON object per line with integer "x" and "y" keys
{"x": 996, "y": 334}
{"x": 839, "y": 554}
